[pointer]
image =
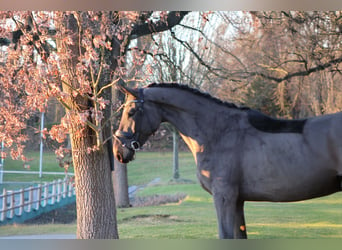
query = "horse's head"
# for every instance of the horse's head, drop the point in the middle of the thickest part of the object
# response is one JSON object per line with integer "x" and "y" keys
{"x": 139, "y": 120}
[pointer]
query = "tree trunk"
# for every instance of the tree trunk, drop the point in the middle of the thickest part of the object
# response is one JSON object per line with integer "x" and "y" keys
{"x": 95, "y": 201}
{"x": 120, "y": 179}
{"x": 121, "y": 185}
{"x": 175, "y": 155}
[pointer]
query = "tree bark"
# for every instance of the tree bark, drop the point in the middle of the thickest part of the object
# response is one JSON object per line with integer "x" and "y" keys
{"x": 95, "y": 201}
{"x": 121, "y": 185}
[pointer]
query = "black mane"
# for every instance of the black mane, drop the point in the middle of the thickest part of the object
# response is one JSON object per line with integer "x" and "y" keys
{"x": 196, "y": 92}
{"x": 257, "y": 119}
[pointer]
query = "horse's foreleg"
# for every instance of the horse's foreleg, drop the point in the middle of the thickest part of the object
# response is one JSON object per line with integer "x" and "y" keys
{"x": 226, "y": 211}
{"x": 240, "y": 225}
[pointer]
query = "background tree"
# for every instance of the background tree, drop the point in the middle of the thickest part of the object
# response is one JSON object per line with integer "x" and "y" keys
{"x": 284, "y": 63}
{"x": 119, "y": 174}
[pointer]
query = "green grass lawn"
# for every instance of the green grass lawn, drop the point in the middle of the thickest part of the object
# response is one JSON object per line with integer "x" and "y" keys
{"x": 195, "y": 218}
{"x": 50, "y": 164}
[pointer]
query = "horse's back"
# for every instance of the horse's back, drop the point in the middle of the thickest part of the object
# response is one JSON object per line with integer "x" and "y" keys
{"x": 324, "y": 135}
{"x": 294, "y": 166}
{"x": 269, "y": 124}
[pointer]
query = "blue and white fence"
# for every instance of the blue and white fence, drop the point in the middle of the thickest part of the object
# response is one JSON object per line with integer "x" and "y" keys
{"x": 23, "y": 204}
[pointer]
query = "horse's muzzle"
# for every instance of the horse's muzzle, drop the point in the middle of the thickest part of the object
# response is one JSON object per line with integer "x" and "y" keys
{"x": 122, "y": 153}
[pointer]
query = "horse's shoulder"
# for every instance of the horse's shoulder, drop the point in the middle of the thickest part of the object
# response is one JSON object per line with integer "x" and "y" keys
{"x": 268, "y": 124}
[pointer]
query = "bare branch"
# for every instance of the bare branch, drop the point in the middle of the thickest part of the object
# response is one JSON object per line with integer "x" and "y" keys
{"x": 216, "y": 44}
{"x": 108, "y": 86}
{"x": 198, "y": 57}
{"x": 307, "y": 72}
{"x": 146, "y": 27}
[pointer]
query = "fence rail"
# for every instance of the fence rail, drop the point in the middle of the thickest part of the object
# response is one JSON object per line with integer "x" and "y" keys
{"x": 15, "y": 203}
{"x": 34, "y": 172}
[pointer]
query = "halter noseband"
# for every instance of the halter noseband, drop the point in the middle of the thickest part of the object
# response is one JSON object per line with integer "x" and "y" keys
{"x": 132, "y": 138}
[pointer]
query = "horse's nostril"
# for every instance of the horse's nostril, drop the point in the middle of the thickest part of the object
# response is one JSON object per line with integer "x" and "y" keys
{"x": 119, "y": 157}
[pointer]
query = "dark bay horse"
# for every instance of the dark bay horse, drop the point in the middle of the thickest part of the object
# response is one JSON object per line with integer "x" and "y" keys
{"x": 240, "y": 153}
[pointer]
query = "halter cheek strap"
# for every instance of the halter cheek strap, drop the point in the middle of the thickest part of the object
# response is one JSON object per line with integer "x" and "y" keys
{"x": 129, "y": 139}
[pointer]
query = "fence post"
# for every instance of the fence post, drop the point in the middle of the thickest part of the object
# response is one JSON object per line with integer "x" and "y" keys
{"x": 53, "y": 195}
{"x": 1, "y": 172}
{"x": 70, "y": 189}
{"x": 46, "y": 194}
{"x": 30, "y": 199}
{"x": 4, "y": 205}
{"x": 21, "y": 201}
{"x": 65, "y": 188}
{"x": 11, "y": 206}
{"x": 59, "y": 189}
{"x": 39, "y": 196}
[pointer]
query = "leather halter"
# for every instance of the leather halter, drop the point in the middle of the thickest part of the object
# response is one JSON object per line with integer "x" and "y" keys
{"x": 128, "y": 139}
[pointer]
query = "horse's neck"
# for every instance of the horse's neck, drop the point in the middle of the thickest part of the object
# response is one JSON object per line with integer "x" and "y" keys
{"x": 196, "y": 118}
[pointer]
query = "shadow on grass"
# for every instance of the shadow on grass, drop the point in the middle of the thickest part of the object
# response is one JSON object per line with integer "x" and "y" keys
{"x": 67, "y": 214}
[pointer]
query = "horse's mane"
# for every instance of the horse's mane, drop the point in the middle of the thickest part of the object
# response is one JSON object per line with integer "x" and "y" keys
{"x": 257, "y": 119}
{"x": 196, "y": 92}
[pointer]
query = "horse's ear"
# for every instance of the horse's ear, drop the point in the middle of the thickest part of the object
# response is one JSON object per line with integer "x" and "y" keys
{"x": 128, "y": 90}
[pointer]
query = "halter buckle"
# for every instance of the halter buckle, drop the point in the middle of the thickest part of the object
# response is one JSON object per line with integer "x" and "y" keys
{"x": 135, "y": 145}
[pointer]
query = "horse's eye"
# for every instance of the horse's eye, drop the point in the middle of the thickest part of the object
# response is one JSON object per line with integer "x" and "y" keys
{"x": 131, "y": 112}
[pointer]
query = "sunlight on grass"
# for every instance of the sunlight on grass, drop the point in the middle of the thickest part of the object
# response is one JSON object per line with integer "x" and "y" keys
{"x": 37, "y": 229}
{"x": 195, "y": 216}
{"x": 297, "y": 225}
{"x": 196, "y": 198}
